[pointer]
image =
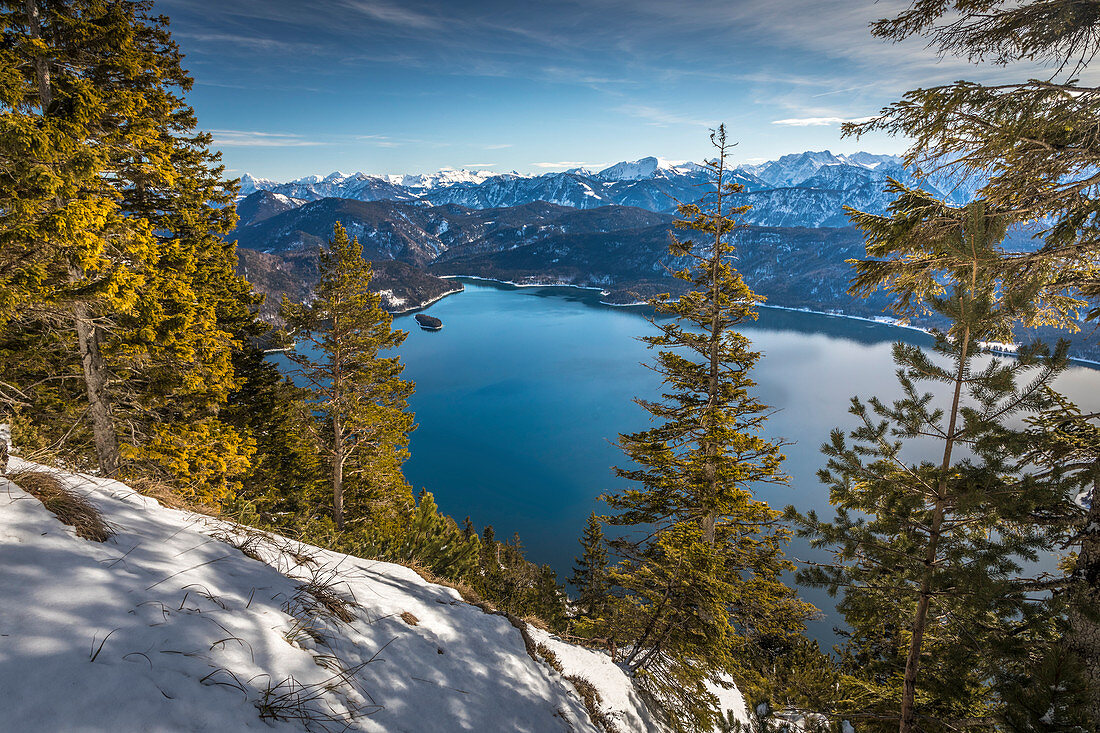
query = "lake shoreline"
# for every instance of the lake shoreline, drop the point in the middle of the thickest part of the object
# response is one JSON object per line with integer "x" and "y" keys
{"x": 880, "y": 320}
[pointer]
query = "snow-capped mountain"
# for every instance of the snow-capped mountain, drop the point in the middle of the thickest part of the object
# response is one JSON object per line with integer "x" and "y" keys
{"x": 807, "y": 189}
{"x": 794, "y": 169}
{"x": 442, "y": 178}
{"x": 650, "y": 167}
{"x": 261, "y": 205}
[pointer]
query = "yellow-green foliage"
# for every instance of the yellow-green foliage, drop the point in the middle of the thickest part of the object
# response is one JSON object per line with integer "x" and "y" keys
{"x": 362, "y": 403}
{"x": 703, "y": 587}
{"x": 113, "y": 207}
{"x": 205, "y": 460}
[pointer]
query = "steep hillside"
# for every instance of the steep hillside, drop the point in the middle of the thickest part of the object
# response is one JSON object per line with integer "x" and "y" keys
{"x": 294, "y": 273}
{"x": 180, "y": 622}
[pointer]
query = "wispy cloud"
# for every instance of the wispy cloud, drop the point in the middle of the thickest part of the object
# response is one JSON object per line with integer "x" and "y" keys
{"x": 256, "y": 139}
{"x": 499, "y": 146}
{"x": 657, "y": 116}
{"x": 393, "y": 14}
{"x": 478, "y": 165}
{"x": 249, "y": 43}
{"x": 817, "y": 121}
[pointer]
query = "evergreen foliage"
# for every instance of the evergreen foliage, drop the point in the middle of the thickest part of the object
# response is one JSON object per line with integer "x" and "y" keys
{"x": 1032, "y": 138}
{"x": 423, "y": 537}
{"x": 110, "y": 246}
{"x": 702, "y": 587}
{"x": 361, "y": 402}
{"x": 590, "y": 574}
{"x": 284, "y": 487}
{"x": 930, "y": 554}
{"x": 514, "y": 584}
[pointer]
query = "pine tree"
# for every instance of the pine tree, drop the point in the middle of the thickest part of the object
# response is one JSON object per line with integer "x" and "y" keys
{"x": 359, "y": 395}
{"x": 1032, "y": 139}
{"x": 704, "y": 584}
{"x": 590, "y": 573}
{"x": 117, "y": 211}
{"x": 930, "y": 554}
{"x": 423, "y": 537}
{"x": 66, "y": 245}
{"x": 286, "y": 478}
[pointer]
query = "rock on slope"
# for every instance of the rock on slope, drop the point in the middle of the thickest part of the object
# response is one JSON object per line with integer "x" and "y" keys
{"x": 182, "y": 622}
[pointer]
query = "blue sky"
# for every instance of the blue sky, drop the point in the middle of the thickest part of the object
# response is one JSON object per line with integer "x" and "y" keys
{"x": 290, "y": 88}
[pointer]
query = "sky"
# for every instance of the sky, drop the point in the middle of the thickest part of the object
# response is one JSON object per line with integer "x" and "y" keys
{"x": 291, "y": 88}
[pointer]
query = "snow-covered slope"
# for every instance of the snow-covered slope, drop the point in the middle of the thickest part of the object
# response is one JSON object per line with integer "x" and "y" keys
{"x": 181, "y": 622}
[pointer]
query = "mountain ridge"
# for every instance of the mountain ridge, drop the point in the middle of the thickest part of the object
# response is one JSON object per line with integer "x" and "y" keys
{"x": 651, "y": 183}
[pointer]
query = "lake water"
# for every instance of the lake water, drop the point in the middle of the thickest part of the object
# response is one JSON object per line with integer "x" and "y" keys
{"x": 521, "y": 395}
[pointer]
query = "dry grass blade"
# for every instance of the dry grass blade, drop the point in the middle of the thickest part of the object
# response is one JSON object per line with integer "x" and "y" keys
{"x": 591, "y": 697}
{"x": 290, "y": 700}
{"x": 551, "y": 658}
{"x": 321, "y": 596}
{"x": 169, "y": 496}
{"x": 68, "y": 506}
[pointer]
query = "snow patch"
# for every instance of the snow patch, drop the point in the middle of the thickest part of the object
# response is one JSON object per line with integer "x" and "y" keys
{"x": 181, "y": 622}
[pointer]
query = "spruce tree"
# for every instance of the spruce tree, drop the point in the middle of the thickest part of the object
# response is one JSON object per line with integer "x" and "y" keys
{"x": 114, "y": 219}
{"x": 286, "y": 478}
{"x": 360, "y": 398}
{"x": 703, "y": 584}
{"x": 930, "y": 555}
{"x": 590, "y": 573}
{"x": 66, "y": 242}
{"x": 1031, "y": 140}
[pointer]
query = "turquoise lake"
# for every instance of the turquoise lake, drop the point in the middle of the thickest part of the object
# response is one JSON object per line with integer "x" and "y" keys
{"x": 521, "y": 396}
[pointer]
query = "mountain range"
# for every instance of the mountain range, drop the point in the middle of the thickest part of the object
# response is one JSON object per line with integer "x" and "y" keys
{"x": 607, "y": 229}
{"x": 807, "y": 189}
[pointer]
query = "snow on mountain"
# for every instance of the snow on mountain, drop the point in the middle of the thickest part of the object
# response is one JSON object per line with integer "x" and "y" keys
{"x": 631, "y": 170}
{"x": 250, "y": 184}
{"x": 825, "y": 183}
{"x": 261, "y": 205}
{"x": 444, "y": 177}
{"x": 180, "y": 622}
{"x": 870, "y": 160}
{"x": 646, "y": 168}
{"x": 794, "y": 169}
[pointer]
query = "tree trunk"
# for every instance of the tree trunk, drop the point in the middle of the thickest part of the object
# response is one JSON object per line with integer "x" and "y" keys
{"x": 95, "y": 385}
{"x": 920, "y": 620}
{"x": 91, "y": 358}
{"x": 709, "y": 519}
{"x": 338, "y": 473}
{"x": 41, "y": 68}
{"x": 1084, "y": 627}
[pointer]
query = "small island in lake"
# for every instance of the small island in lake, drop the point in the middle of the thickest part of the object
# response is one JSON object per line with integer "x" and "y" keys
{"x": 428, "y": 323}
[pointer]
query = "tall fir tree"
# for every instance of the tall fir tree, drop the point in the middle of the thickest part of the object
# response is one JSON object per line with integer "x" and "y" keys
{"x": 1031, "y": 143}
{"x": 117, "y": 211}
{"x": 703, "y": 585}
{"x": 930, "y": 555}
{"x": 590, "y": 574}
{"x": 358, "y": 393}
